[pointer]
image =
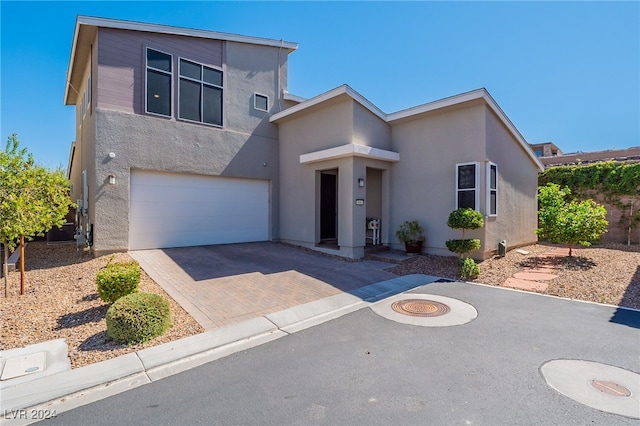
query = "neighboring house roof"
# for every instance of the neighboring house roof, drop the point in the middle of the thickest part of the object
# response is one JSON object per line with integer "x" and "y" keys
{"x": 86, "y": 27}
{"x": 631, "y": 154}
{"x": 344, "y": 91}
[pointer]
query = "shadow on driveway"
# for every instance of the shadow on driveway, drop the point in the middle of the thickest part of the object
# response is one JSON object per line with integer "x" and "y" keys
{"x": 218, "y": 261}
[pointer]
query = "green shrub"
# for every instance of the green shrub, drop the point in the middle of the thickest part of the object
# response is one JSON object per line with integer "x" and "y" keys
{"x": 410, "y": 232}
{"x": 465, "y": 219}
{"x": 469, "y": 269}
{"x": 117, "y": 280}
{"x": 463, "y": 246}
{"x": 138, "y": 318}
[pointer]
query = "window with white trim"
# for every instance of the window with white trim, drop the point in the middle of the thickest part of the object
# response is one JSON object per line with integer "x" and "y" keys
{"x": 467, "y": 185}
{"x": 159, "y": 73}
{"x": 200, "y": 93}
{"x": 492, "y": 189}
{"x": 260, "y": 102}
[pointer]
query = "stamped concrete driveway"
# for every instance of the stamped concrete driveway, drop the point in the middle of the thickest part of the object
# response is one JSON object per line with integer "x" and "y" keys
{"x": 223, "y": 284}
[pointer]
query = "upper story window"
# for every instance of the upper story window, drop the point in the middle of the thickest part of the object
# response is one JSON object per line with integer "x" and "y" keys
{"x": 159, "y": 75}
{"x": 200, "y": 93}
{"x": 467, "y": 185}
{"x": 260, "y": 102}
{"x": 492, "y": 189}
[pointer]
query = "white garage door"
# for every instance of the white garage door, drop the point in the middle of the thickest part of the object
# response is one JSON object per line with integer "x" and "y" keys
{"x": 175, "y": 210}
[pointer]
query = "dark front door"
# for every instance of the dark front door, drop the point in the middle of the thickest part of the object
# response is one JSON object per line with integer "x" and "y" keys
{"x": 328, "y": 205}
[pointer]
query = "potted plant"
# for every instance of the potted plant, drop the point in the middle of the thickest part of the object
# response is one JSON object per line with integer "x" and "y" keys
{"x": 412, "y": 235}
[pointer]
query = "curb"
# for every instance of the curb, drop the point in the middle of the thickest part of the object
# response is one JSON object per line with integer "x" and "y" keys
{"x": 66, "y": 390}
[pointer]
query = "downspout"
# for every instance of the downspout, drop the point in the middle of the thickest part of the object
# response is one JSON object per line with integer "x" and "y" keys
{"x": 278, "y": 94}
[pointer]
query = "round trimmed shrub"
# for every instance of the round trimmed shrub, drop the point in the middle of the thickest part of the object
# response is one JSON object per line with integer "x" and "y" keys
{"x": 117, "y": 280}
{"x": 462, "y": 246}
{"x": 465, "y": 218}
{"x": 469, "y": 269}
{"x": 138, "y": 318}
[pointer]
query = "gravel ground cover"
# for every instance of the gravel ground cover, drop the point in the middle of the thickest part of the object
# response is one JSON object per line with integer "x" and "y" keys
{"x": 61, "y": 301}
{"x": 608, "y": 273}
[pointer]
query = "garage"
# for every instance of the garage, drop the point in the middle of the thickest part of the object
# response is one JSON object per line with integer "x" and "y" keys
{"x": 179, "y": 210}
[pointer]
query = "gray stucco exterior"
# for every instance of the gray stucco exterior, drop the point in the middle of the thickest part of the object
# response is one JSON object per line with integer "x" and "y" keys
{"x": 430, "y": 141}
{"x": 245, "y": 146}
{"x": 331, "y": 161}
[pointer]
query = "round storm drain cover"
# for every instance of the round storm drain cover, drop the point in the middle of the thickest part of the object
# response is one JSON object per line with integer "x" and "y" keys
{"x": 420, "y": 307}
{"x": 610, "y": 388}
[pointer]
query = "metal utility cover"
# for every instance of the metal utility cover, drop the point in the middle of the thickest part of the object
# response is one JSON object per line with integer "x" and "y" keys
{"x": 24, "y": 365}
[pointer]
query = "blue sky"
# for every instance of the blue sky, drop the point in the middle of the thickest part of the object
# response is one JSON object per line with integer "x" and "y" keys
{"x": 562, "y": 72}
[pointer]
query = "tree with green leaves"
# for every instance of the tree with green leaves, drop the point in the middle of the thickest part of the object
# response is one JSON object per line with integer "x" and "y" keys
{"x": 33, "y": 199}
{"x": 572, "y": 223}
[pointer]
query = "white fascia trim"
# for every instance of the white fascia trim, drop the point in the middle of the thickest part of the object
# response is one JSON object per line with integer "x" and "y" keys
{"x": 341, "y": 90}
{"x": 466, "y": 97}
{"x": 166, "y": 29}
{"x": 440, "y": 103}
{"x": 291, "y": 97}
{"x": 350, "y": 150}
{"x": 73, "y": 56}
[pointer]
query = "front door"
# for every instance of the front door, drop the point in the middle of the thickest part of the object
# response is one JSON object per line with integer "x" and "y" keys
{"x": 328, "y": 205}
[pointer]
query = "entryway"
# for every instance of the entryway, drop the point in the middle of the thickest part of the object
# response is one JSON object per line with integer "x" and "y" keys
{"x": 329, "y": 206}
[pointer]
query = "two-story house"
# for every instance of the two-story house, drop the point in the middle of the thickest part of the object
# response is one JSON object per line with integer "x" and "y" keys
{"x": 188, "y": 137}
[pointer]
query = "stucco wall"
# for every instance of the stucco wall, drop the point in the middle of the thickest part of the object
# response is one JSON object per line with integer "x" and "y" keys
{"x": 141, "y": 142}
{"x": 517, "y": 189}
{"x": 423, "y": 181}
{"x": 121, "y": 63}
{"x": 246, "y": 146}
{"x": 370, "y": 130}
{"x": 324, "y": 127}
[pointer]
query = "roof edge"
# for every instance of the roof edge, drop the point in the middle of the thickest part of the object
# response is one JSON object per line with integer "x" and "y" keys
{"x": 481, "y": 93}
{"x": 168, "y": 29}
{"x": 331, "y": 94}
{"x": 71, "y": 58}
{"x": 512, "y": 129}
{"x": 92, "y": 21}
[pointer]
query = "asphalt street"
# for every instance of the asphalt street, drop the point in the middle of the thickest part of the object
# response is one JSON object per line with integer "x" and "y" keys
{"x": 365, "y": 369}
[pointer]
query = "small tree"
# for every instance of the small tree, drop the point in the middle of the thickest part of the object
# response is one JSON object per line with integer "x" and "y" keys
{"x": 570, "y": 223}
{"x": 33, "y": 199}
{"x": 464, "y": 219}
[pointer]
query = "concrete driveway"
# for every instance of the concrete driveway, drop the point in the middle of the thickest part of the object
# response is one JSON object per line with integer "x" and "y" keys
{"x": 224, "y": 284}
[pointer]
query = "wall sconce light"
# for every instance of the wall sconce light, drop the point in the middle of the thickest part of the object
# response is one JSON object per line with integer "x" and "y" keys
{"x": 361, "y": 183}
{"x": 112, "y": 179}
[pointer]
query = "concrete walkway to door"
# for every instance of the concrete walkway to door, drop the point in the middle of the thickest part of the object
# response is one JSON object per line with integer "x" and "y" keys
{"x": 224, "y": 284}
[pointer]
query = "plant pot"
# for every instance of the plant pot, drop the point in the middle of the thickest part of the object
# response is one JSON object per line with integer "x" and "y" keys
{"x": 414, "y": 247}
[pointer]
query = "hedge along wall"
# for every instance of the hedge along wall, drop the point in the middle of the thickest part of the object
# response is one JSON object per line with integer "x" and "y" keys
{"x": 613, "y": 184}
